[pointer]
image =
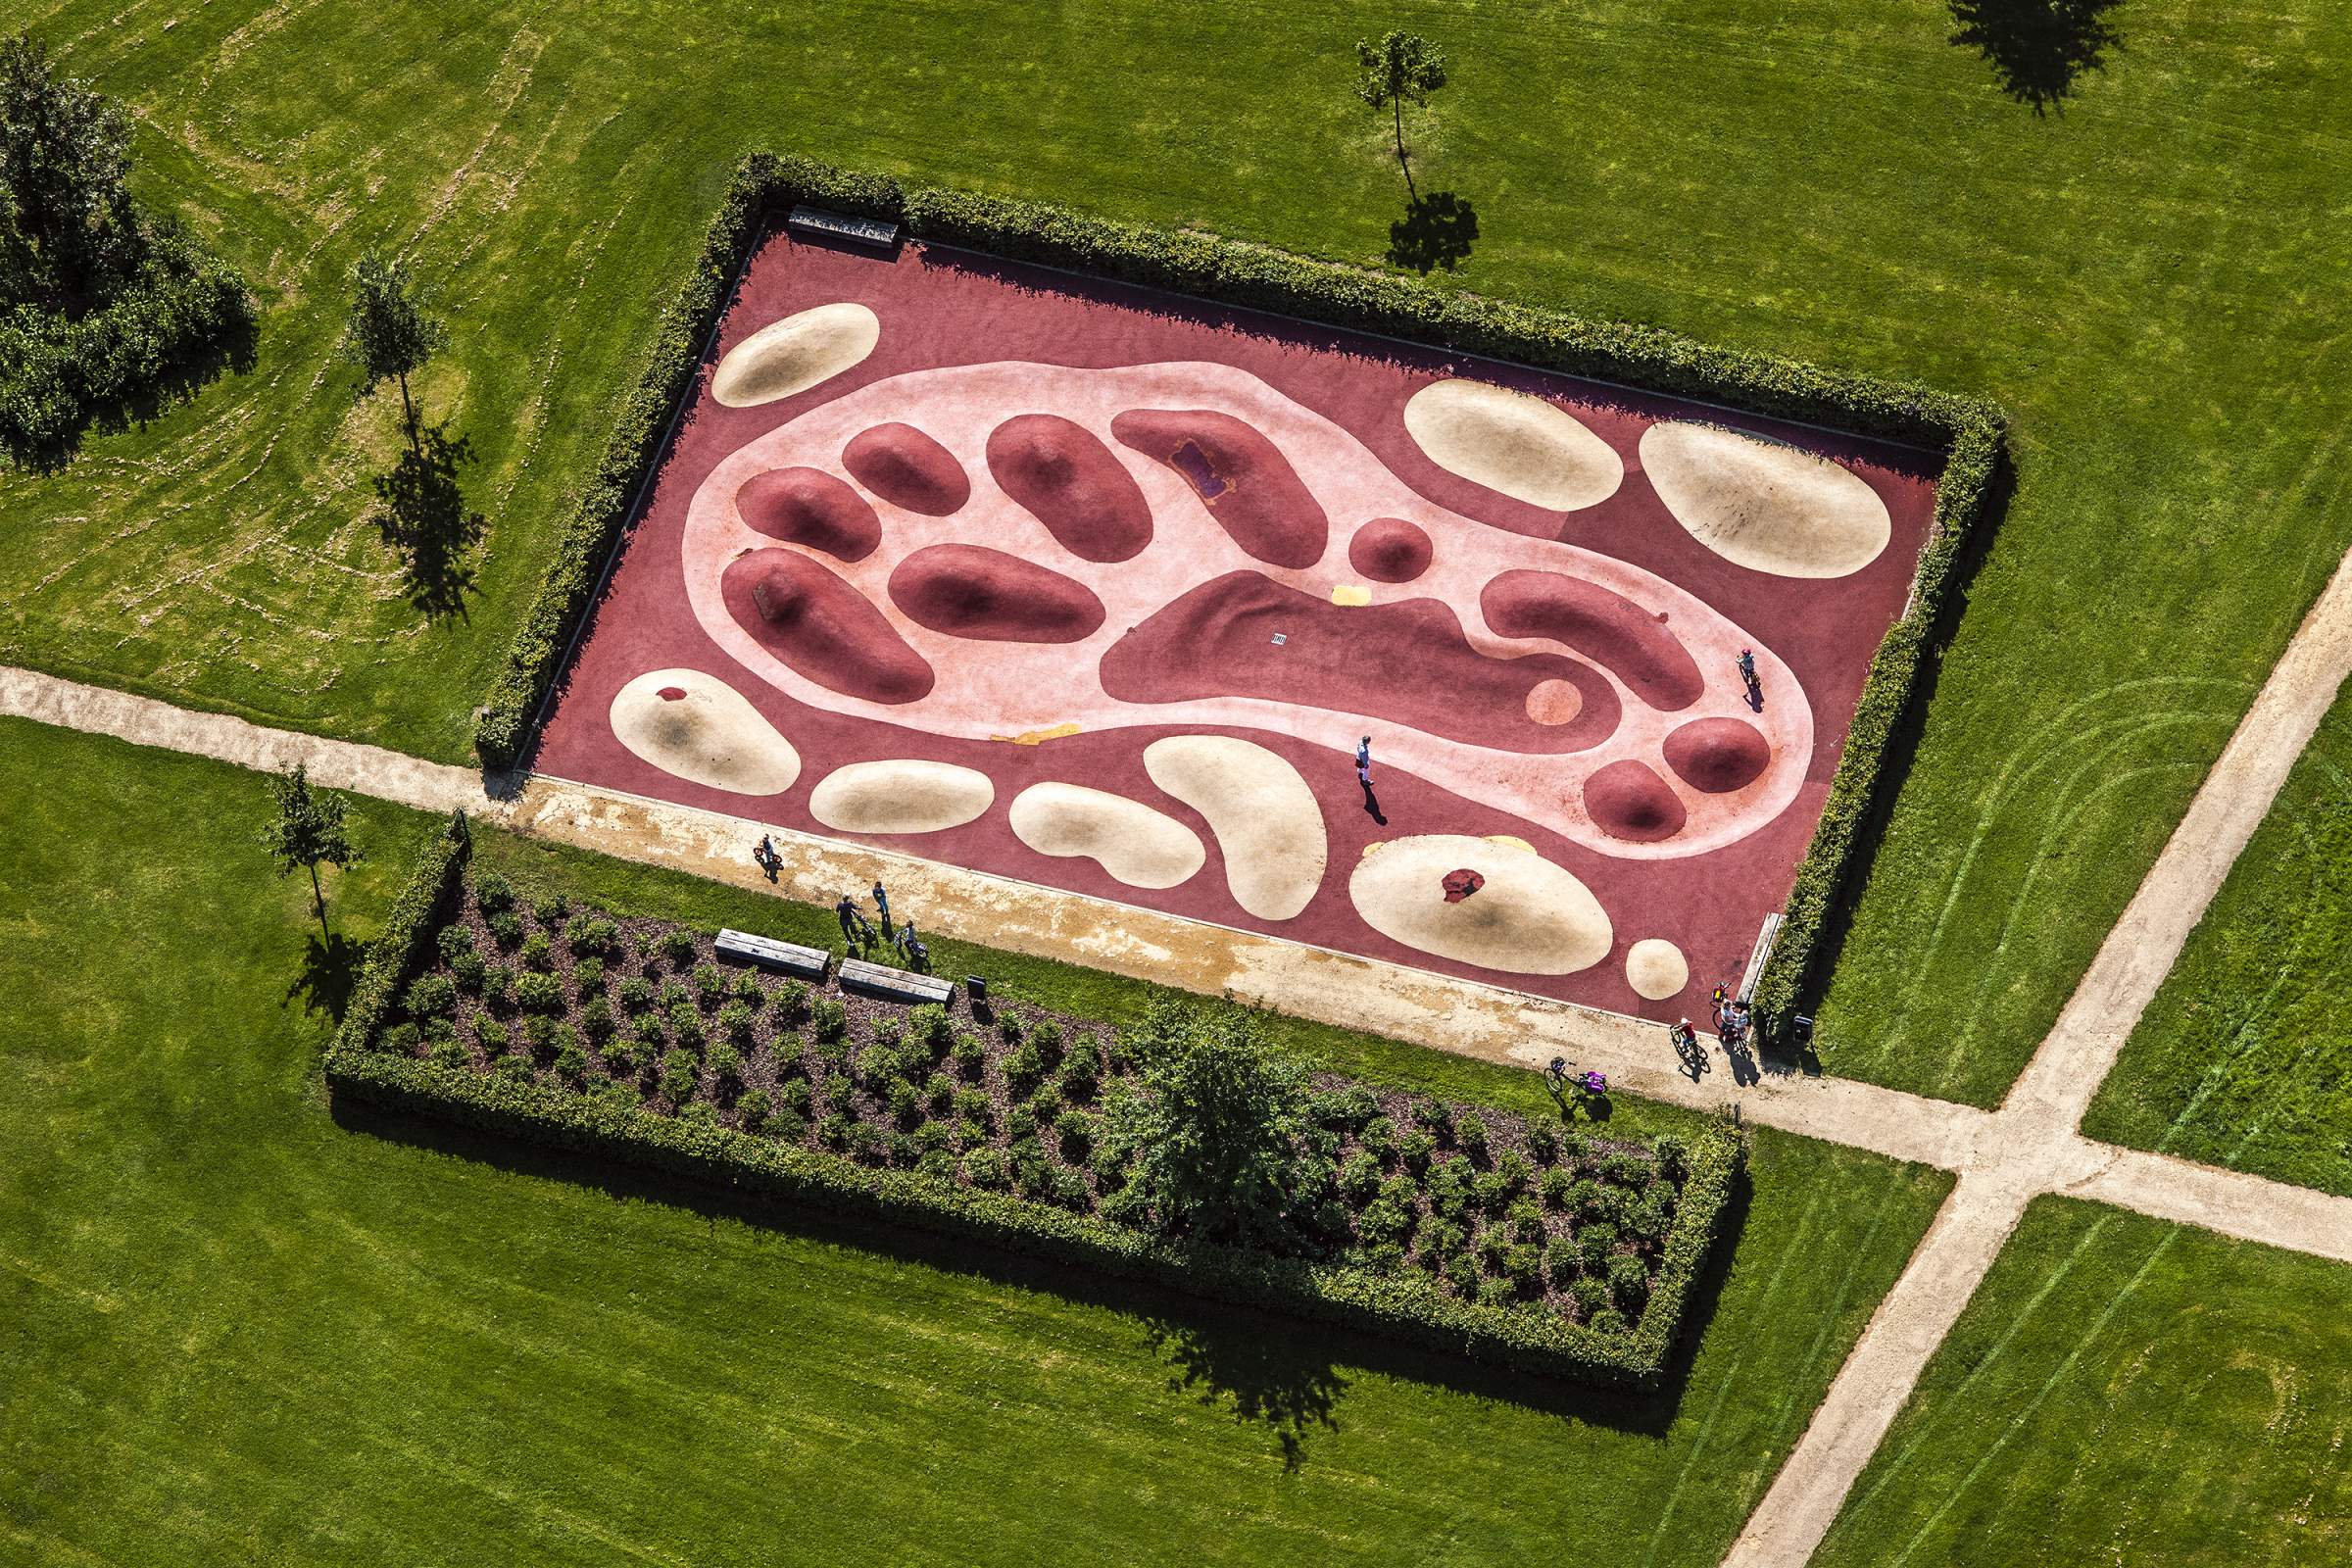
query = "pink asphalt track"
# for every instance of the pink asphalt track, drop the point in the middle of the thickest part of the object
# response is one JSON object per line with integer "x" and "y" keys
{"x": 1114, "y": 647}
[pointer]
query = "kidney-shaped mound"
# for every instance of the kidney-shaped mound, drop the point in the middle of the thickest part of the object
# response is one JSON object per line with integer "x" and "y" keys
{"x": 1406, "y": 662}
{"x": 1269, "y": 827}
{"x": 1390, "y": 550}
{"x": 899, "y": 795}
{"x": 1764, "y": 505}
{"x": 1717, "y": 756}
{"x": 823, "y": 627}
{"x": 1137, "y": 844}
{"x": 810, "y": 506}
{"x": 908, "y": 469}
{"x": 1521, "y": 445}
{"x": 972, "y": 591}
{"x": 1627, "y": 800}
{"x": 1525, "y": 915}
{"x": 697, "y": 727}
{"x": 1599, "y": 624}
{"x": 1242, "y": 477}
{"x": 794, "y": 354}
{"x": 1073, "y": 485}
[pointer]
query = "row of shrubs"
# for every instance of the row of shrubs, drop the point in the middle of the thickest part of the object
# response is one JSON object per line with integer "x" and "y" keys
{"x": 1970, "y": 430}
{"x": 57, "y": 370}
{"x": 1483, "y": 1200}
{"x": 1634, "y": 1321}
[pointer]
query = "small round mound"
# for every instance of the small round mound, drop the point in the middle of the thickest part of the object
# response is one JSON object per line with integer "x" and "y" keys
{"x": 1073, "y": 485}
{"x": 908, "y": 469}
{"x": 810, "y": 506}
{"x": 1627, "y": 800}
{"x": 1717, "y": 756}
{"x": 1655, "y": 968}
{"x": 972, "y": 591}
{"x": 1390, "y": 550}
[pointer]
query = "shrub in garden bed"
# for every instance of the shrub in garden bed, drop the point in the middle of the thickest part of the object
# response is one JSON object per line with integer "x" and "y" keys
{"x": 1179, "y": 1150}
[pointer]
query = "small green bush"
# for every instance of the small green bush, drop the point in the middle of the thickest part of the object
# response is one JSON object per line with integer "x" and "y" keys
{"x": 792, "y": 1003}
{"x": 987, "y": 1168}
{"x": 596, "y": 1019}
{"x": 431, "y": 997}
{"x": 1074, "y": 1130}
{"x": 514, "y": 1069}
{"x": 676, "y": 946}
{"x": 1416, "y": 1149}
{"x": 1359, "y": 1178}
{"x": 505, "y": 929}
{"x": 1470, "y": 1136}
{"x": 592, "y": 936}
{"x": 709, "y": 984}
{"x": 636, "y": 994}
{"x": 538, "y": 953}
{"x": 453, "y": 942}
{"x": 1379, "y": 1139}
{"x": 588, "y": 977}
{"x": 492, "y": 893}
{"x": 830, "y": 1021}
{"x": 1556, "y": 1186}
{"x": 550, "y": 912}
{"x": 1542, "y": 1142}
{"x": 491, "y": 1033}
{"x": 734, "y": 1021}
{"x": 449, "y": 1053}
{"x": 971, "y": 1057}
{"x": 680, "y": 1075}
{"x": 755, "y": 1110}
{"x": 538, "y": 993}
{"x": 1597, "y": 1243}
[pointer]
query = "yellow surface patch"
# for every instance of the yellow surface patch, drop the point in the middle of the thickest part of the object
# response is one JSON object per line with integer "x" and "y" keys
{"x": 1038, "y": 737}
{"x": 1350, "y": 593}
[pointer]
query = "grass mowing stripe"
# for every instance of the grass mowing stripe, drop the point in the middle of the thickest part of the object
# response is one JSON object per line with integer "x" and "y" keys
{"x": 2018, "y": 1419}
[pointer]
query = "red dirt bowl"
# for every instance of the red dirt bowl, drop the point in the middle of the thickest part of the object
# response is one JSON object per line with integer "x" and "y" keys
{"x": 1243, "y": 479}
{"x": 823, "y": 627}
{"x": 1627, "y": 800}
{"x": 810, "y": 507}
{"x": 972, "y": 591}
{"x": 1717, "y": 756}
{"x": 1072, "y": 483}
{"x": 908, "y": 469}
{"x": 1390, "y": 550}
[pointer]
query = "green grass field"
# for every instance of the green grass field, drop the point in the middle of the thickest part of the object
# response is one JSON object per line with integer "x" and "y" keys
{"x": 2128, "y": 1391}
{"x": 2149, "y": 280}
{"x": 236, "y": 1330}
{"x": 2245, "y": 1057}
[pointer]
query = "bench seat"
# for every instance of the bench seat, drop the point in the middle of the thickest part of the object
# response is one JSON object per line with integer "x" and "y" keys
{"x": 790, "y": 956}
{"x": 896, "y": 985}
{"x": 825, "y": 225}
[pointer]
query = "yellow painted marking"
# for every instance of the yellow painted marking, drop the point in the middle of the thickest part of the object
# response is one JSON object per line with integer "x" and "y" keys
{"x": 1507, "y": 841}
{"x": 1037, "y": 737}
{"x": 1350, "y": 593}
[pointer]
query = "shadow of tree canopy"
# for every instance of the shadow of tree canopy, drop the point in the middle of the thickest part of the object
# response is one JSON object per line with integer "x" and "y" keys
{"x": 1256, "y": 1369}
{"x": 424, "y": 517}
{"x": 2036, "y": 47}
{"x": 1436, "y": 231}
{"x": 330, "y": 970}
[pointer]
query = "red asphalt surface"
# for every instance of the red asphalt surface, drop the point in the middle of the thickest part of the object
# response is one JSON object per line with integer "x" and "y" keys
{"x": 941, "y": 309}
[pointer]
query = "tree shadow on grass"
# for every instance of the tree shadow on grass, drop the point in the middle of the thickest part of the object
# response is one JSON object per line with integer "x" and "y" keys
{"x": 1275, "y": 1371}
{"x": 1436, "y": 231}
{"x": 2038, "y": 47}
{"x": 331, "y": 968}
{"x": 424, "y": 517}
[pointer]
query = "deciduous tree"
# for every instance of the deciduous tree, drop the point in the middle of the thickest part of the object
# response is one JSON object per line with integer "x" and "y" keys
{"x": 308, "y": 832}
{"x": 1403, "y": 67}
{"x": 388, "y": 334}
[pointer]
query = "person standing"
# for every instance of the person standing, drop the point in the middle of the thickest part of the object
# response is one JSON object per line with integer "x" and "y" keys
{"x": 1363, "y": 762}
{"x": 847, "y": 910}
{"x": 882, "y": 903}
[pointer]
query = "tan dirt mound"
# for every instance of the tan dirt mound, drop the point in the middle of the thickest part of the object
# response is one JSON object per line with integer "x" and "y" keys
{"x": 1655, "y": 968}
{"x": 696, "y": 727}
{"x": 901, "y": 795}
{"x": 1520, "y": 446}
{"x": 1529, "y": 916}
{"x": 1267, "y": 824}
{"x": 1765, "y": 506}
{"x": 1137, "y": 844}
{"x": 794, "y": 354}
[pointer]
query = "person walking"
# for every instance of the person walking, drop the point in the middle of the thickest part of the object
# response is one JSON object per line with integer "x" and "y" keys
{"x": 1363, "y": 762}
{"x": 769, "y": 860}
{"x": 851, "y": 920}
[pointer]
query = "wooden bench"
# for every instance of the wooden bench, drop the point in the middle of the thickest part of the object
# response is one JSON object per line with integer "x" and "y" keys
{"x": 790, "y": 956}
{"x": 1756, "y": 959}
{"x": 895, "y": 985}
{"x": 822, "y": 225}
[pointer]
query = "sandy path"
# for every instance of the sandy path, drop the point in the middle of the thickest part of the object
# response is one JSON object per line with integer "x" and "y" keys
{"x": 2030, "y": 1144}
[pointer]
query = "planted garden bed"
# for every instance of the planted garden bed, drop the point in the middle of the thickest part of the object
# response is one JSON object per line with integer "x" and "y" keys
{"x": 1539, "y": 1243}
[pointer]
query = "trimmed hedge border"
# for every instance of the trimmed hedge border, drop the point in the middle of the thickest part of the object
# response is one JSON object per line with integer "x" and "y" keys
{"x": 1402, "y": 1306}
{"x": 1971, "y": 431}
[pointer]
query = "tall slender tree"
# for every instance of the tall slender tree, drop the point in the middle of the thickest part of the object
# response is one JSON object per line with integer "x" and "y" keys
{"x": 307, "y": 833}
{"x": 64, "y": 211}
{"x": 388, "y": 334}
{"x": 1403, "y": 67}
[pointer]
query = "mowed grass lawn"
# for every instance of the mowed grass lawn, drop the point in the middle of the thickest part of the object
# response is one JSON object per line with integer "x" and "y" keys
{"x": 2123, "y": 1391}
{"x": 2245, "y": 1057}
{"x": 232, "y": 1329}
{"x": 2149, "y": 280}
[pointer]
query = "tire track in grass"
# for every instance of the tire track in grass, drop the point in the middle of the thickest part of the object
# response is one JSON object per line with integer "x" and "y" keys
{"x": 1723, "y": 1390}
{"x": 2017, "y": 1422}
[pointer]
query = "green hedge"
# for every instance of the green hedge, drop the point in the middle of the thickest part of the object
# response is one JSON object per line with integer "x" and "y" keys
{"x": 1408, "y": 1307}
{"x": 1968, "y": 430}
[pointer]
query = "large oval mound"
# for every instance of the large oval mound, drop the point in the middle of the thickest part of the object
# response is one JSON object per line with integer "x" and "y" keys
{"x": 1240, "y": 475}
{"x": 972, "y": 591}
{"x": 1522, "y": 914}
{"x": 1627, "y": 800}
{"x": 1269, "y": 827}
{"x": 810, "y": 506}
{"x": 1390, "y": 550}
{"x": 1137, "y": 844}
{"x": 823, "y": 627}
{"x": 1717, "y": 756}
{"x": 1520, "y": 446}
{"x": 794, "y": 354}
{"x": 1598, "y": 624}
{"x": 1073, "y": 485}
{"x": 697, "y": 727}
{"x": 908, "y": 469}
{"x": 1765, "y": 505}
{"x": 901, "y": 795}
